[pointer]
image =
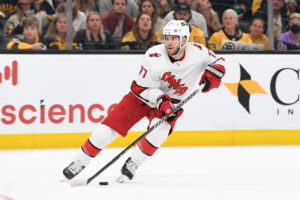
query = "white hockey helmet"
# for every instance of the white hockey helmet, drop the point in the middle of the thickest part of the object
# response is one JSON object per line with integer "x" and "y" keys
{"x": 177, "y": 27}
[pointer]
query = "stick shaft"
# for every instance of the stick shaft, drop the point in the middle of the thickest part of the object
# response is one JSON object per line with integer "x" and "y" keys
{"x": 145, "y": 134}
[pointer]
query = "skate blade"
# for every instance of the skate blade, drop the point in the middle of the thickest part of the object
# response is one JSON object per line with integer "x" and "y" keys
{"x": 122, "y": 178}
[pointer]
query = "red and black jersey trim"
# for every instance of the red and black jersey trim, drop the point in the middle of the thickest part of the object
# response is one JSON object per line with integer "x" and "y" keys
{"x": 137, "y": 90}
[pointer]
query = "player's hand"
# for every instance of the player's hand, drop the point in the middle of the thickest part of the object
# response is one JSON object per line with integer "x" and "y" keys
{"x": 164, "y": 105}
{"x": 212, "y": 77}
{"x": 175, "y": 116}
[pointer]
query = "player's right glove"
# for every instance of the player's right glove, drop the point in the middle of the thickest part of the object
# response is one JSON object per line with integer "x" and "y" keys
{"x": 164, "y": 105}
{"x": 212, "y": 77}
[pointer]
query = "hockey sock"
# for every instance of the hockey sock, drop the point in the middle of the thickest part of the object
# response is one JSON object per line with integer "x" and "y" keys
{"x": 144, "y": 151}
{"x": 146, "y": 147}
{"x": 100, "y": 137}
{"x": 90, "y": 149}
{"x": 149, "y": 145}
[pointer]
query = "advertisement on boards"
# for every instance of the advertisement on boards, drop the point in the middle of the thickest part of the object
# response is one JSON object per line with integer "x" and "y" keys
{"x": 73, "y": 93}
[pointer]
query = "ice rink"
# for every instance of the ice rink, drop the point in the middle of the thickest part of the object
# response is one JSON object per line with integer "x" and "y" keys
{"x": 202, "y": 173}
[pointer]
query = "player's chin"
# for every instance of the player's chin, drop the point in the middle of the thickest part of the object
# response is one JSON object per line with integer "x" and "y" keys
{"x": 171, "y": 52}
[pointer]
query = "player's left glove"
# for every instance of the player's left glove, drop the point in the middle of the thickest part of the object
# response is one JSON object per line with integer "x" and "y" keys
{"x": 165, "y": 105}
{"x": 212, "y": 77}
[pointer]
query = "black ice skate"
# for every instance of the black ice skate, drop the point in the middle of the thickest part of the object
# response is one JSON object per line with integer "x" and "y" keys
{"x": 127, "y": 171}
{"x": 72, "y": 170}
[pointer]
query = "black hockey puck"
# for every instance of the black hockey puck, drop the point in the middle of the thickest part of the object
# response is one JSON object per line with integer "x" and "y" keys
{"x": 103, "y": 183}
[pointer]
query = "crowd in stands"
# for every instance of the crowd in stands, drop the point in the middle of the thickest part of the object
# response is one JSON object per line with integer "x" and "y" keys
{"x": 138, "y": 24}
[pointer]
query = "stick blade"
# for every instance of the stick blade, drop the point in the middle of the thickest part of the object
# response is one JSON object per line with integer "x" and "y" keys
{"x": 78, "y": 182}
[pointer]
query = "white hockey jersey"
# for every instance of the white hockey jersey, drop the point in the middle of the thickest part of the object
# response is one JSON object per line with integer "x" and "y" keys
{"x": 158, "y": 75}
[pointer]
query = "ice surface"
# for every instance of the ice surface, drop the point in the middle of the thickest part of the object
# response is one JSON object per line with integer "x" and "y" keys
{"x": 204, "y": 173}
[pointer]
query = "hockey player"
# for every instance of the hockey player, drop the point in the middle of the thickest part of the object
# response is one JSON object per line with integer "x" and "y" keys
{"x": 168, "y": 73}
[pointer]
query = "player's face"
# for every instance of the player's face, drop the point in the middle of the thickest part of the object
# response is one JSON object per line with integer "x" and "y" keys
{"x": 172, "y": 44}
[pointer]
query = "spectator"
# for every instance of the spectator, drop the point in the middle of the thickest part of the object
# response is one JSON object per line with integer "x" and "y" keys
{"x": 290, "y": 40}
{"x": 117, "y": 21}
{"x": 25, "y": 8}
{"x": 280, "y": 19}
{"x": 142, "y": 36}
{"x": 4, "y": 39}
{"x": 257, "y": 28}
{"x": 197, "y": 19}
{"x": 94, "y": 36}
{"x": 55, "y": 38}
{"x": 8, "y": 7}
{"x": 87, "y": 6}
{"x": 221, "y": 5}
{"x": 79, "y": 17}
{"x": 259, "y": 7}
{"x": 2, "y": 21}
{"x": 183, "y": 12}
{"x": 291, "y": 6}
{"x": 132, "y": 8}
{"x": 30, "y": 40}
{"x": 40, "y": 5}
{"x": 298, "y": 6}
{"x": 230, "y": 32}
{"x": 243, "y": 9}
{"x": 148, "y": 7}
{"x": 211, "y": 17}
{"x": 54, "y": 3}
{"x": 163, "y": 7}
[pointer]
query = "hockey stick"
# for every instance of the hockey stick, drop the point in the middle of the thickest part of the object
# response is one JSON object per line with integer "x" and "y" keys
{"x": 78, "y": 182}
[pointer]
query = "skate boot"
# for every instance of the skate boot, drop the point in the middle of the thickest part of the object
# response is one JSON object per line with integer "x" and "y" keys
{"x": 72, "y": 170}
{"x": 127, "y": 171}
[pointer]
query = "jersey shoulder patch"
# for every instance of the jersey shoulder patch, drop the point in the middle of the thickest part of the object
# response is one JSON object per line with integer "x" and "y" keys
{"x": 197, "y": 45}
{"x": 154, "y": 55}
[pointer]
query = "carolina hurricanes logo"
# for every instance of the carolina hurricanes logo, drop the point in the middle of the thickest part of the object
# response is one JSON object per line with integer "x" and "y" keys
{"x": 179, "y": 88}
